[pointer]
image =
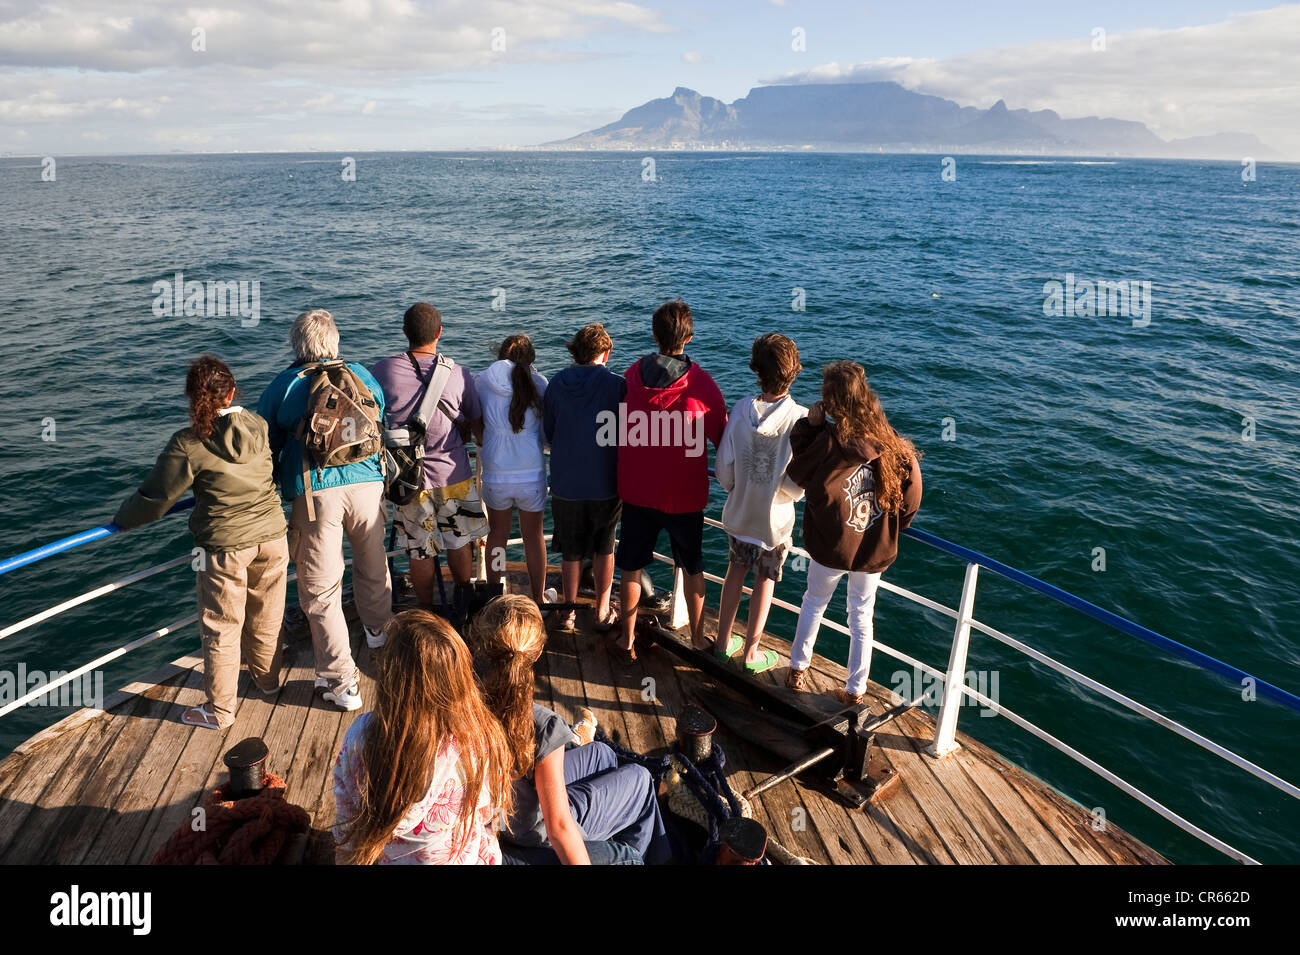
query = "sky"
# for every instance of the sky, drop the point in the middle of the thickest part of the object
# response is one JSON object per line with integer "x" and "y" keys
{"x": 132, "y": 76}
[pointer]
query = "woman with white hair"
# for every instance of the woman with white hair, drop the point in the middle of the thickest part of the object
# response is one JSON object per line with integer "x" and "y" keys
{"x": 330, "y": 500}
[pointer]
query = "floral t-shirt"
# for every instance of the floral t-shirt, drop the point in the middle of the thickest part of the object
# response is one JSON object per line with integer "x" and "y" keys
{"x": 426, "y": 834}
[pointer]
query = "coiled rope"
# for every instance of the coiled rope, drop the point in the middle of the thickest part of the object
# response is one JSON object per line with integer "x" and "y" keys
{"x": 249, "y": 831}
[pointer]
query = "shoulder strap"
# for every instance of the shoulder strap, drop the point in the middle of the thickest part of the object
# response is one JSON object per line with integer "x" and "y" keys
{"x": 436, "y": 384}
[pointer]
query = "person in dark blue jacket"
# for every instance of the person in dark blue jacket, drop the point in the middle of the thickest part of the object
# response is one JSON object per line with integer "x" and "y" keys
{"x": 578, "y": 406}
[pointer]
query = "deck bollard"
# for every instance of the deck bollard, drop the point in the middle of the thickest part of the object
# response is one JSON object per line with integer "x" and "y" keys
{"x": 246, "y": 761}
{"x": 742, "y": 842}
{"x": 695, "y": 729}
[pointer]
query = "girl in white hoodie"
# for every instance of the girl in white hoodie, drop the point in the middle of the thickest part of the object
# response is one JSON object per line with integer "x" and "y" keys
{"x": 759, "y": 514}
{"x": 512, "y": 463}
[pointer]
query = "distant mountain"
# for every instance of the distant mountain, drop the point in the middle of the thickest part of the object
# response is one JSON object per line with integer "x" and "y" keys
{"x": 887, "y": 117}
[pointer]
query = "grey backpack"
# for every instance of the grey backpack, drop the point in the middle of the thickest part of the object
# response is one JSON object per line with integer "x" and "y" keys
{"x": 404, "y": 443}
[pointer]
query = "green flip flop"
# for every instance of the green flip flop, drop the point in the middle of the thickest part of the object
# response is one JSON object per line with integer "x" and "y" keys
{"x": 767, "y": 659}
{"x": 734, "y": 644}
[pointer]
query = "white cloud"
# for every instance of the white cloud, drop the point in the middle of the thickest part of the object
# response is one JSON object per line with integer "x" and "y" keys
{"x": 692, "y": 57}
{"x": 134, "y": 35}
{"x": 1236, "y": 75}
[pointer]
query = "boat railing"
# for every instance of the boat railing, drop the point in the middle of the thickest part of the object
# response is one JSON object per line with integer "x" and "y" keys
{"x": 952, "y": 679}
{"x": 955, "y": 689}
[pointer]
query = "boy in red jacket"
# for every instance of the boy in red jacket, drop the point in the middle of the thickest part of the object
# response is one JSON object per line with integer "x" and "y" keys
{"x": 672, "y": 406}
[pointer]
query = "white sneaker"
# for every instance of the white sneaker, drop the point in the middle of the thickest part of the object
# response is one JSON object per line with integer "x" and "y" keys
{"x": 348, "y": 698}
{"x": 374, "y": 638}
{"x": 550, "y": 595}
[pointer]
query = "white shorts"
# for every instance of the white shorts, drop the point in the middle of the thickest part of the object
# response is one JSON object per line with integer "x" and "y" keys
{"x": 526, "y": 497}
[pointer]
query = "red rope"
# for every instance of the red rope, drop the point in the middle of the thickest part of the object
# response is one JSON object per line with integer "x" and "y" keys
{"x": 250, "y": 831}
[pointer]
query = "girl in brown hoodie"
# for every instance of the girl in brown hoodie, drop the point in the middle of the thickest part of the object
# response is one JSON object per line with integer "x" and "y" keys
{"x": 863, "y": 487}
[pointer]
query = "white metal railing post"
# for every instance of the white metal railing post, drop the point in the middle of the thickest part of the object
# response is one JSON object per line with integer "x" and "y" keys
{"x": 945, "y": 733}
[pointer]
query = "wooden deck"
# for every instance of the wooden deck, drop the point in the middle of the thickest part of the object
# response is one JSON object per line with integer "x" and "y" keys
{"x": 110, "y": 786}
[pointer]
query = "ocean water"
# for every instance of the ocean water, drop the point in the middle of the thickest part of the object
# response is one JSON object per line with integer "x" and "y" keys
{"x": 1169, "y": 439}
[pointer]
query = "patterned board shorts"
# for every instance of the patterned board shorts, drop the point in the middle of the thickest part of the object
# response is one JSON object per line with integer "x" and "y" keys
{"x": 760, "y": 559}
{"x": 440, "y": 519}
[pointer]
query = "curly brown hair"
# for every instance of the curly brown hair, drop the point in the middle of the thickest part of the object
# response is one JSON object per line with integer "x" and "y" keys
{"x": 507, "y": 637}
{"x": 208, "y": 386}
{"x": 858, "y": 414}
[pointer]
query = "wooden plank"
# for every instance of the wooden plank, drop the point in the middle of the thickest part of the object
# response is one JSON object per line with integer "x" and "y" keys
{"x": 169, "y": 673}
{"x": 568, "y": 693}
{"x": 62, "y": 805}
{"x": 1074, "y": 834}
{"x": 146, "y": 786}
{"x": 322, "y": 808}
{"x": 1045, "y": 848}
{"x": 600, "y": 680}
{"x": 882, "y": 836}
{"x": 994, "y": 831}
{"x": 145, "y": 766}
{"x": 945, "y": 818}
{"x": 284, "y": 730}
{"x": 98, "y": 798}
{"x": 38, "y": 769}
{"x": 631, "y": 685}
{"x": 183, "y": 788}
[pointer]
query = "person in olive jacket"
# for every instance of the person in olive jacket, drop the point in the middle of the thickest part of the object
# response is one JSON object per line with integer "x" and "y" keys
{"x": 242, "y": 558}
{"x": 862, "y": 482}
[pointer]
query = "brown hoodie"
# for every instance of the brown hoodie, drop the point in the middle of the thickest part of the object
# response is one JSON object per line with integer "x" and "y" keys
{"x": 843, "y": 526}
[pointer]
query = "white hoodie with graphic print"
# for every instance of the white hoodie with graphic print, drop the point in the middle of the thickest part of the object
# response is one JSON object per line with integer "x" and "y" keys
{"x": 750, "y": 464}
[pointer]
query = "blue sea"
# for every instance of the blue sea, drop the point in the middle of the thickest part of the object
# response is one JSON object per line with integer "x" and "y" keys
{"x": 1170, "y": 440}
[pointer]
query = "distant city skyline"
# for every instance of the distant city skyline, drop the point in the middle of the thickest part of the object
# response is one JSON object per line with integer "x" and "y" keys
{"x": 108, "y": 76}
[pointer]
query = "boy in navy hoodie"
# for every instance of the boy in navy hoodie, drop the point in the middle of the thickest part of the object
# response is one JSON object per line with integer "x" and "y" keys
{"x": 585, "y": 506}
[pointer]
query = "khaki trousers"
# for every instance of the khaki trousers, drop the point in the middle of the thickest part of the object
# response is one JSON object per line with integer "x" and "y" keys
{"x": 241, "y": 606}
{"x": 357, "y": 512}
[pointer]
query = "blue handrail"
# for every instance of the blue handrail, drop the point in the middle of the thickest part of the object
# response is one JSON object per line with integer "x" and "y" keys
{"x": 1122, "y": 624}
{"x": 76, "y": 540}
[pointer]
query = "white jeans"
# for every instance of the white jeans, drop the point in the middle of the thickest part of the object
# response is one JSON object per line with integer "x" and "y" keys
{"x": 822, "y": 582}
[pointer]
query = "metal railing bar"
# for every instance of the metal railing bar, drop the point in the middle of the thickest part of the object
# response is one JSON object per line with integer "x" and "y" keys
{"x": 1110, "y": 777}
{"x": 1114, "y": 620}
{"x": 76, "y": 540}
{"x": 1142, "y": 709}
{"x": 91, "y": 595}
{"x": 127, "y": 648}
{"x": 97, "y": 662}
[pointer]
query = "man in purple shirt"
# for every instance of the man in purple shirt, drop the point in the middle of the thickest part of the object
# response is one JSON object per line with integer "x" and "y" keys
{"x": 447, "y": 515}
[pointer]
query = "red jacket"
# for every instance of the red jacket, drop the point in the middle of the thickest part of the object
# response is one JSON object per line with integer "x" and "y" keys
{"x": 672, "y": 406}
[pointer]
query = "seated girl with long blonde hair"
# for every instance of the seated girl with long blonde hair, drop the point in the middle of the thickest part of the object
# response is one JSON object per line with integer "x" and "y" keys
{"x": 567, "y": 797}
{"x": 425, "y": 777}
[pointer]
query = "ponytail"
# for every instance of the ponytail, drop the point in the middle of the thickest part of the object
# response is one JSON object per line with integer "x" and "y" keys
{"x": 524, "y": 395}
{"x": 208, "y": 383}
